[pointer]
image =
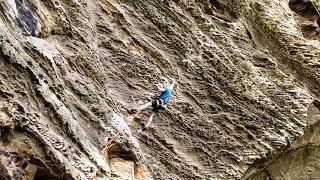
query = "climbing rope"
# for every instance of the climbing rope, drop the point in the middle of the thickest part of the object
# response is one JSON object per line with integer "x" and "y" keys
{"x": 110, "y": 142}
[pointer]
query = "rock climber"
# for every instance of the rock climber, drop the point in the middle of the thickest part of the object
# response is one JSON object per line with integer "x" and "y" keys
{"x": 158, "y": 102}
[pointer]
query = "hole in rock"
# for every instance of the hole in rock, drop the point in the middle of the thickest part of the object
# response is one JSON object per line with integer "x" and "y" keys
{"x": 313, "y": 114}
{"x": 120, "y": 151}
{"x": 305, "y": 8}
{"x": 307, "y": 16}
{"x": 44, "y": 173}
{"x": 41, "y": 170}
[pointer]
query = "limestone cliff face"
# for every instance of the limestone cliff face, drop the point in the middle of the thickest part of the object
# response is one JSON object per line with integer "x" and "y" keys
{"x": 245, "y": 105}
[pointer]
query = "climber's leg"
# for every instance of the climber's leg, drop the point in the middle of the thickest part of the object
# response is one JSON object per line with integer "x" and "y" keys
{"x": 156, "y": 107}
{"x": 139, "y": 109}
{"x": 150, "y": 119}
{"x": 144, "y": 106}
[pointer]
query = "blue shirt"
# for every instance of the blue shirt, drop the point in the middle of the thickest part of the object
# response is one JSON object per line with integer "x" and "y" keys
{"x": 165, "y": 94}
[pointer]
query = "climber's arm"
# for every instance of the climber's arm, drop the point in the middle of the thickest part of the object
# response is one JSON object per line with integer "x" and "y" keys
{"x": 173, "y": 83}
{"x": 159, "y": 87}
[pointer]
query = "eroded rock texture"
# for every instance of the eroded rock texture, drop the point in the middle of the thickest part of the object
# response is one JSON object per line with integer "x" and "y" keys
{"x": 247, "y": 77}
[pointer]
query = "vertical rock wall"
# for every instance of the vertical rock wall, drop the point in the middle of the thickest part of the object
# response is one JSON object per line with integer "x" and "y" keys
{"x": 246, "y": 74}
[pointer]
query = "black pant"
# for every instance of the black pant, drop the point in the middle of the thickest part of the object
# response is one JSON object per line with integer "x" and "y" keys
{"x": 157, "y": 104}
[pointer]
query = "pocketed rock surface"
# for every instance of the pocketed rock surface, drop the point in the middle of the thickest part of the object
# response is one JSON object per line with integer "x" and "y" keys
{"x": 245, "y": 104}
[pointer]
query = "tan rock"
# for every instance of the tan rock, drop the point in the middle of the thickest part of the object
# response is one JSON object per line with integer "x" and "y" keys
{"x": 139, "y": 173}
{"x": 122, "y": 169}
{"x": 246, "y": 75}
{"x": 30, "y": 171}
{"x": 5, "y": 120}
